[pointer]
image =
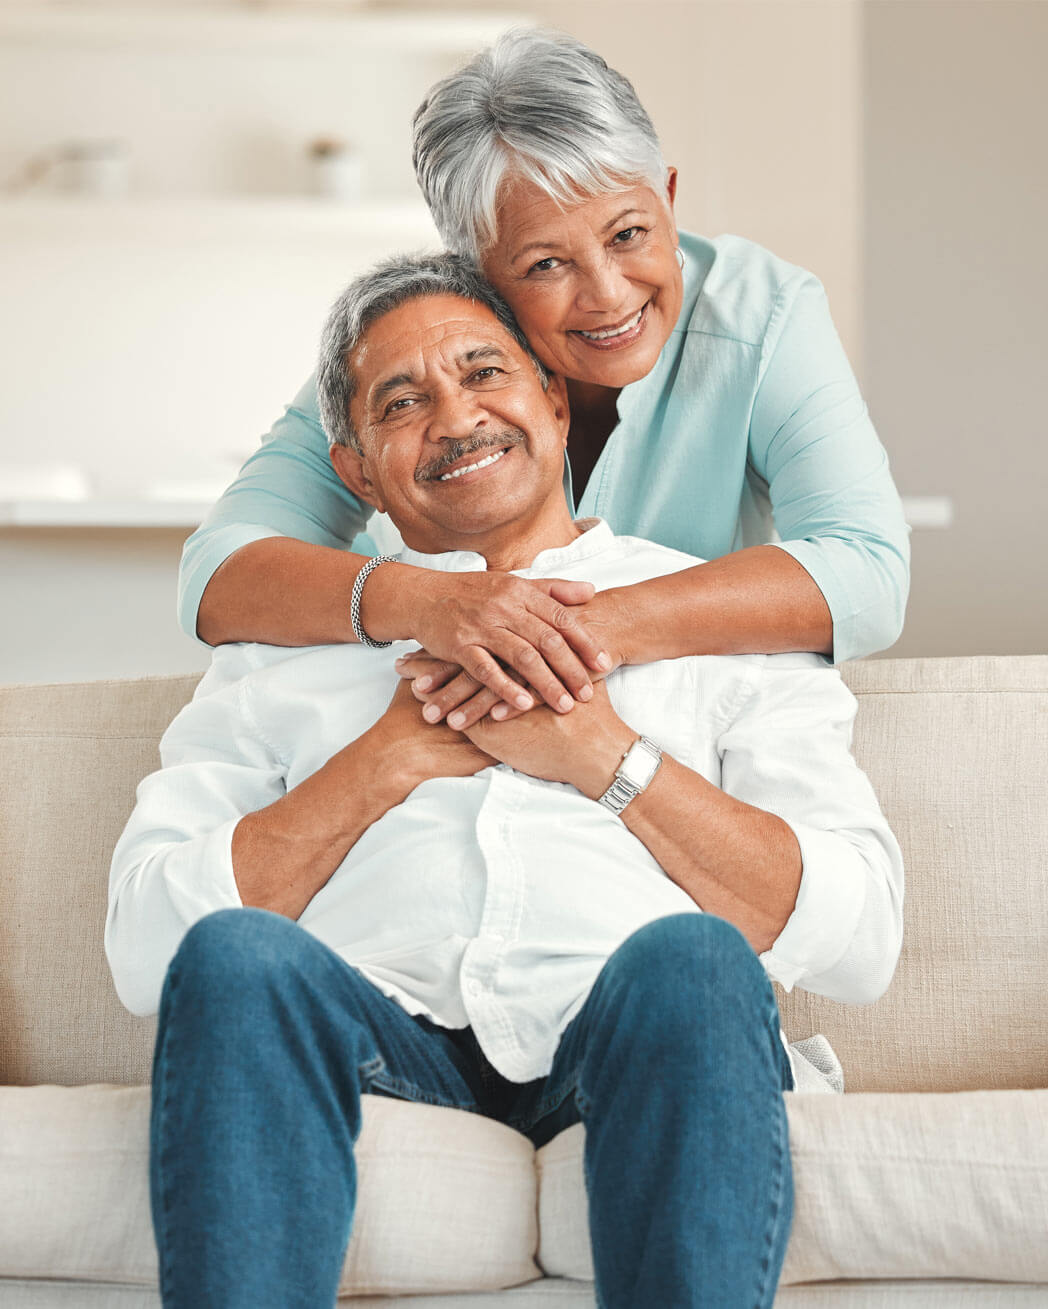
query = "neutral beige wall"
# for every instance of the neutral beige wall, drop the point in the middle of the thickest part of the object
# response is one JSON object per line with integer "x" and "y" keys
{"x": 956, "y": 279}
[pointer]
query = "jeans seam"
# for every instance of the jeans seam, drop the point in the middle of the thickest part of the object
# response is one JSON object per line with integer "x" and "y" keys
{"x": 776, "y": 1210}
{"x": 163, "y": 1218}
{"x": 409, "y": 1091}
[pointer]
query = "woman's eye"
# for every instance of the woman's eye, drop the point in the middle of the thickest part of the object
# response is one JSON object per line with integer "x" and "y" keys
{"x": 544, "y": 265}
{"x": 626, "y": 235}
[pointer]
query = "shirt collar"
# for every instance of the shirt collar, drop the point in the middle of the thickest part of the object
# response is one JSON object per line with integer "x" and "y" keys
{"x": 595, "y": 538}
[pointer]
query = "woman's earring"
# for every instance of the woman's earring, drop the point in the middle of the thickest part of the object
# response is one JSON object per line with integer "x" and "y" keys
{"x": 680, "y": 258}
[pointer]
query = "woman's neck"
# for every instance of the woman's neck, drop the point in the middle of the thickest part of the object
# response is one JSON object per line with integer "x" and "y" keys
{"x": 594, "y": 411}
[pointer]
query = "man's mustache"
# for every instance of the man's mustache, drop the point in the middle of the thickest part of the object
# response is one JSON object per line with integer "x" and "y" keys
{"x": 457, "y": 450}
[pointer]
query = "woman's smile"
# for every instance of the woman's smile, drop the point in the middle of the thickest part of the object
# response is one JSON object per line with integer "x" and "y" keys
{"x": 618, "y": 337}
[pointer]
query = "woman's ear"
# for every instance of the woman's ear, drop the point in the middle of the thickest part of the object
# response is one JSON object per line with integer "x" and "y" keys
{"x": 671, "y": 186}
{"x": 352, "y": 471}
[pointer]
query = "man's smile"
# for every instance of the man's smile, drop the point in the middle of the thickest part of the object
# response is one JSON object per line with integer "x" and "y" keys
{"x": 468, "y": 457}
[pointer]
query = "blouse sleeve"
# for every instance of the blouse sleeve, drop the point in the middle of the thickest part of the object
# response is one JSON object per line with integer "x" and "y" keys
{"x": 836, "y": 507}
{"x": 286, "y": 488}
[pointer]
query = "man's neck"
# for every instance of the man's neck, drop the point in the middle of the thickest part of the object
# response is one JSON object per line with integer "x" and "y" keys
{"x": 517, "y": 545}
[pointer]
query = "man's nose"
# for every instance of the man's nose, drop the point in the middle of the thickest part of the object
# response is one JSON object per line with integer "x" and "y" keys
{"x": 456, "y": 414}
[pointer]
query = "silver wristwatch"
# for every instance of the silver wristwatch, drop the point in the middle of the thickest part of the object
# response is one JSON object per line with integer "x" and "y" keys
{"x": 639, "y": 765}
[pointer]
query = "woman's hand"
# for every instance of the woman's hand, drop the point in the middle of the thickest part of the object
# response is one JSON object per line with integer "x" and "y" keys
{"x": 483, "y": 624}
{"x": 450, "y": 693}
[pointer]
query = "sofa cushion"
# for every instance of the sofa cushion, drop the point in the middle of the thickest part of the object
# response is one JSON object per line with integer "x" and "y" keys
{"x": 903, "y": 1186}
{"x": 446, "y": 1201}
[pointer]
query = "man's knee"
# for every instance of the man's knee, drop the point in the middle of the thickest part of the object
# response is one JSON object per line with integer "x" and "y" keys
{"x": 234, "y": 949}
{"x": 685, "y": 966}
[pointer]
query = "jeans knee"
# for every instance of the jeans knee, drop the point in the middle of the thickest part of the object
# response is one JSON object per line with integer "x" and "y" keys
{"x": 687, "y": 955}
{"x": 234, "y": 949}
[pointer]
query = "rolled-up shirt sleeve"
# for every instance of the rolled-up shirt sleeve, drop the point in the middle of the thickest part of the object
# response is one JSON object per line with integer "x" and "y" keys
{"x": 173, "y": 864}
{"x": 286, "y": 488}
{"x": 788, "y": 752}
{"x": 835, "y": 505}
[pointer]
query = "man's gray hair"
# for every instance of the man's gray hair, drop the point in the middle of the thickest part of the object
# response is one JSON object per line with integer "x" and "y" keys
{"x": 386, "y": 287}
{"x": 537, "y": 105}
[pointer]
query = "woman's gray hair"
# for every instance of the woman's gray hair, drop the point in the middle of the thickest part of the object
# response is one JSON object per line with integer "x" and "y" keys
{"x": 386, "y": 287}
{"x": 538, "y": 105}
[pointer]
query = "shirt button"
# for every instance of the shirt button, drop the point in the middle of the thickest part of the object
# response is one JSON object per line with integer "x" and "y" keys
{"x": 497, "y": 938}
{"x": 473, "y": 988}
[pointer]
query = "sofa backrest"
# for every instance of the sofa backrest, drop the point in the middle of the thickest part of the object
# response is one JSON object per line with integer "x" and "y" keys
{"x": 956, "y": 749}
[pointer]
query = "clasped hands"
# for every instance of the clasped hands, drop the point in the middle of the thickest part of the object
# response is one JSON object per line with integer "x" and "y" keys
{"x": 527, "y": 720}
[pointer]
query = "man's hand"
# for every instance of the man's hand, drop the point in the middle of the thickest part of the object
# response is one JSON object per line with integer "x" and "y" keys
{"x": 452, "y": 694}
{"x": 582, "y": 748}
{"x": 408, "y": 748}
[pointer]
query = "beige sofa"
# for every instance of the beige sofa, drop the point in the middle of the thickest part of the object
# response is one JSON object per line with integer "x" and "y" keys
{"x": 926, "y": 1184}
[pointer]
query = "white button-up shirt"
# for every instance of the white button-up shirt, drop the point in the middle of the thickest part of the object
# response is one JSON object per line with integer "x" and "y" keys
{"x": 494, "y": 900}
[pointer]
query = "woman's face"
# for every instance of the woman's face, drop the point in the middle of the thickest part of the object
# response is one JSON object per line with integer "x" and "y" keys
{"x": 596, "y": 286}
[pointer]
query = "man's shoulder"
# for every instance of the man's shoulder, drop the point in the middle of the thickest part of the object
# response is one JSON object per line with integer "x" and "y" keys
{"x": 638, "y": 560}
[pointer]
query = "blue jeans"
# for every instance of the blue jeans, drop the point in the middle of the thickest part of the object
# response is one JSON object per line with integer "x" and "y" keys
{"x": 267, "y": 1039}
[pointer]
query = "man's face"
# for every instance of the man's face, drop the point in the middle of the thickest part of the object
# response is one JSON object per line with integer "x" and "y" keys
{"x": 460, "y": 441}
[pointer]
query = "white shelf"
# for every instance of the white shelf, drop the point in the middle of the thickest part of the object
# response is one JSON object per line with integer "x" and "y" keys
{"x": 196, "y": 216}
{"x": 102, "y": 513}
{"x": 242, "y": 29}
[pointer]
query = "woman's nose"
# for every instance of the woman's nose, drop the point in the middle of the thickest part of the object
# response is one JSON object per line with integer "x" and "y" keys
{"x": 602, "y": 287}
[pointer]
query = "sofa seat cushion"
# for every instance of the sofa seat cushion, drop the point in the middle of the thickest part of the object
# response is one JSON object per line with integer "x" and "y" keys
{"x": 886, "y": 1185}
{"x": 446, "y": 1201}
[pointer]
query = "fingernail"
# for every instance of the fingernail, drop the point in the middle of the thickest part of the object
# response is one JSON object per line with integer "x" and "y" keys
{"x": 564, "y": 703}
{"x": 586, "y": 692}
{"x": 456, "y": 719}
{"x": 431, "y": 713}
{"x": 499, "y": 712}
{"x": 604, "y": 661}
{"x": 523, "y": 701}
{"x": 423, "y": 683}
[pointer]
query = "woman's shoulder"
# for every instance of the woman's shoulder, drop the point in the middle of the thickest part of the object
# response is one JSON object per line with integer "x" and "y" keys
{"x": 733, "y": 287}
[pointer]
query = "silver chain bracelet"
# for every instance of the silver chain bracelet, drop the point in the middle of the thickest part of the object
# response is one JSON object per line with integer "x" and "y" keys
{"x": 354, "y": 601}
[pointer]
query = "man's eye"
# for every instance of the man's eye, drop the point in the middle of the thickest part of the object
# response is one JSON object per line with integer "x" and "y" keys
{"x": 399, "y": 405}
{"x": 544, "y": 265}
{"x": 486, "y": 373}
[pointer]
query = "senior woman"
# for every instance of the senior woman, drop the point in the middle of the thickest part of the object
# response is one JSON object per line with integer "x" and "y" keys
{"x": 713, "y": 410}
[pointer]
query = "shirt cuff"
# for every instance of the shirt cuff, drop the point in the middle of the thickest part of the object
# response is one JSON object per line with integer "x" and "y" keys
{"x": 829, "y": 905}
{"x": 205, "y": 551}
{"x": 198, "y": 874}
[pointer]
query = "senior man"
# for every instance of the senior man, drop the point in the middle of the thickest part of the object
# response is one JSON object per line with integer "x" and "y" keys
{"x": 548, "y": 919}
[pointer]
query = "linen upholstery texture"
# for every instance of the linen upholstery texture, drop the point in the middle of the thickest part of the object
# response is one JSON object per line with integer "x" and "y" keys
{"x": 550, "y": 1294}
{"x": 954, "y": 748}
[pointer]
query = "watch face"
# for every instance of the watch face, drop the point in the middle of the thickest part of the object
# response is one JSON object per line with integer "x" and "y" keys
{"x": 639, "y": 766}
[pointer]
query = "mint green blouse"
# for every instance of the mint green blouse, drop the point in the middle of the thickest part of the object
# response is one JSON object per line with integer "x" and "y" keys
{"x": 749, "y": 429}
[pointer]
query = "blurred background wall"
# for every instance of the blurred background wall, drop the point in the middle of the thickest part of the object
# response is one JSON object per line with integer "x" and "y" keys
{"x": 167, "y": 257}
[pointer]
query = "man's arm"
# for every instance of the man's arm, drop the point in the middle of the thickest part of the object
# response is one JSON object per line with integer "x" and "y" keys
{"x": 283, "y": 854}
{"x": 793, "y": 850}
{"x": 184, "y": 855}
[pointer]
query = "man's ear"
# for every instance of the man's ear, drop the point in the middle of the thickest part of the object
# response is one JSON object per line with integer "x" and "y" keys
{"x": 352, "y": 470}
{"x": 557, "y": 394}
